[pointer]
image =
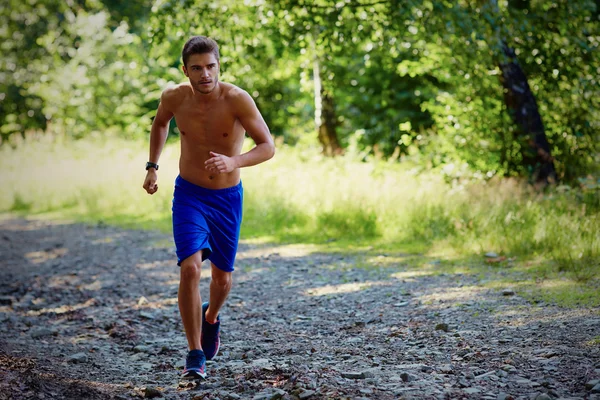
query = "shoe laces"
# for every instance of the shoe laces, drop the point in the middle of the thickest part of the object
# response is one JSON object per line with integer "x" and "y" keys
{"x": 194, "y": 360}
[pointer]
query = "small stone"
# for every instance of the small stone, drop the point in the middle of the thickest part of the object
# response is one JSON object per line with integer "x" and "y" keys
{"x": 151, "y": 393}
{"x": 491, "y": 254}
{"x": 370, "y": 373}
{"x": 406, "y": 377}
{"x": 509, "y": 368}
{"x": 401, "y": 304}
{"x": 442, "y": 327}
{"x": 43, "y": 332}
{"x": 543, "y": 396}
{"x": 270, "y": 394}
{"x": 146, "y": 315}
{"x": 504, "y": 396}
{"x": 463, "y": 383}
{"x": 140, "y": 348}
{"x": 77, "y": 358}
{"x": 485, "y": 375}
{"x": 142, "y": 300}
{"x": 508, "y": 292}
{"x": 589, "y": 385}
{"x": 137, "y": 357}
{"x": 523, "y": 381}
{"x": 551, "y": 353}
{"x": 6, "y": 301}
{"x": 263, "y": 363}
{"x": 306, "y": 394}
{"x": 353, "y": 375}
{"x": 446, "y": 369}
{"x": 596, "y": 389}
{"x": 501, "y": 373}
{"x": 472, "y": 390}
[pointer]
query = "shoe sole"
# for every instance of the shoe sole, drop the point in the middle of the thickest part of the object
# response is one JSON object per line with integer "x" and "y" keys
{"x": 193, "y": 375}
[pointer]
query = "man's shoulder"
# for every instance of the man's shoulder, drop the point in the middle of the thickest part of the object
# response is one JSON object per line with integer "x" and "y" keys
{"x": 231, "y": 91}
{"x": 176, "y": 92}
{"x": 234, "y": 94}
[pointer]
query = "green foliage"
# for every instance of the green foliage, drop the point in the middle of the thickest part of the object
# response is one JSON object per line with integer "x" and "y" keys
{"x": 471, "y": 124}
{"x": 20, "y": 108}
{"x": 347, "y": 221}
{"x": 68, "y": 67}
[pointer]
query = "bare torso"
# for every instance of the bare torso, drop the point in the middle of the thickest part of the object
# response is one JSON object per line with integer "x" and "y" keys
{"x": 207, "y": 126}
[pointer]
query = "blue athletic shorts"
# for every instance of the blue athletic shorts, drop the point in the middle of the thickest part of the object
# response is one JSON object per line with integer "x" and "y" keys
{"x": 208, "y": 220}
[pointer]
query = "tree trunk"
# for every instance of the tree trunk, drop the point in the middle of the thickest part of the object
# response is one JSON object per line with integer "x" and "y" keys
{"x": 325, "y": 119}
{"x": 520, "y": 103}
{"x": 327, "y": 129}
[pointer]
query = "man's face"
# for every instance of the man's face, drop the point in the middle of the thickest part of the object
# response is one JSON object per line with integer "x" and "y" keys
{"x": 203, "y": 71}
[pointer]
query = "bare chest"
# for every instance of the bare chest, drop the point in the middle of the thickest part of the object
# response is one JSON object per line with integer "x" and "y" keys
{"x": 207, "y": 123}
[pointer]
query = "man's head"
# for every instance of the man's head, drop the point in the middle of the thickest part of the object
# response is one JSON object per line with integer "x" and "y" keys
{"x": 201, "y": 63}
{"x": 199, "y": 45}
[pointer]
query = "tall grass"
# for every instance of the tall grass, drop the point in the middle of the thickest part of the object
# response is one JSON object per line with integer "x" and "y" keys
{"x": 302, "y": 196}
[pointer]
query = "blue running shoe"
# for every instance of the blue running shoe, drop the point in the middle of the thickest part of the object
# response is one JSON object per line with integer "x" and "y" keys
{"x": 195, "y": 365}
{"x": 210, "y": 338}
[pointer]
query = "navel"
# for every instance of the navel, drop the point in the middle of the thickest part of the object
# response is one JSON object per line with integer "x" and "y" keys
{"x": 182, "y": 133}
{"x": 211, "y": 177}
{"x": 225, "y": 134}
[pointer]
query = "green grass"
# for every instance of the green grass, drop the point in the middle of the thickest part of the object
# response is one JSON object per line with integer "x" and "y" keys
{"x": 337, "y": 204}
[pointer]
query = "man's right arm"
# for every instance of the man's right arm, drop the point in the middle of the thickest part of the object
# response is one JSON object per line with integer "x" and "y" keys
{"x": 158, "y": 137}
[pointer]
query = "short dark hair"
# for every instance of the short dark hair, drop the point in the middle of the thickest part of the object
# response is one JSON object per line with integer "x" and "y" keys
{"x": 199, "y": 45}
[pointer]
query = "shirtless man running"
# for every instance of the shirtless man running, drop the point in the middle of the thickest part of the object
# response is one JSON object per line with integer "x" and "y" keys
{"x": 212, "y": 117}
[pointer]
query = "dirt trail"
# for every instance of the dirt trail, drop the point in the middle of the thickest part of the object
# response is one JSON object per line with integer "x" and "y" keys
{"x": 91, "y": 313}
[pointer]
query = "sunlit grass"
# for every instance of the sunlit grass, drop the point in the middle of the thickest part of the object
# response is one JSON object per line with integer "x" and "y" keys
{"x": 301, "y": 197}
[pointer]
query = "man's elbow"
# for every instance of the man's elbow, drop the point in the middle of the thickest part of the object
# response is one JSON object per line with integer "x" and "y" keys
{"x": 270, "y": 149}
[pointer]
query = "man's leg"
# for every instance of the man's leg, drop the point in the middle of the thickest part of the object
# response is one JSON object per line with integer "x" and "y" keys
{"x": 220, "y": 286}
{"x": 190, "y": 302}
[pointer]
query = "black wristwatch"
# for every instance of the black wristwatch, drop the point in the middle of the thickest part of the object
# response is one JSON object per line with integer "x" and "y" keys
{"x": 151, "y": 165}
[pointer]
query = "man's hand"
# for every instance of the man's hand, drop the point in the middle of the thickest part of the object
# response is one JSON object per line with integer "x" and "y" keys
{"x": 150, "y": 182}
{"x": 219, "y": 163}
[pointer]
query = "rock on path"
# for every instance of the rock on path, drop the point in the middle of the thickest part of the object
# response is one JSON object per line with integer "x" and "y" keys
{"x": 91, "y": 312}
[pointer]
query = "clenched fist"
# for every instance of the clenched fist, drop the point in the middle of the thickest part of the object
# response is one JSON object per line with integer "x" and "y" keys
{"x": 150, "y": 181}
{"x": 219, "y": 163}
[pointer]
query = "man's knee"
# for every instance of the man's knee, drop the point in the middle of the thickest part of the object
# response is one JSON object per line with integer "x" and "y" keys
{"x": 221, "y": 278}
{"x": 191, "y": 268}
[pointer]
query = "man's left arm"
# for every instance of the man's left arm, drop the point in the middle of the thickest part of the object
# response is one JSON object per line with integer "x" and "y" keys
{"x": 257, "y": 129}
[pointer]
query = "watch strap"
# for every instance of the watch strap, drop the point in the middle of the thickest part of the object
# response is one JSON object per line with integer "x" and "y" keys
{"x": 151, "y": 165}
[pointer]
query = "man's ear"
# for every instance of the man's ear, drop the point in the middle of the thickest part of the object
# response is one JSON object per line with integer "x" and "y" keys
{"x": 184, "y": 69}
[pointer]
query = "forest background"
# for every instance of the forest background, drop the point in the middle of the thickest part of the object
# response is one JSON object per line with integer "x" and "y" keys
{"x": 445, "y": 129}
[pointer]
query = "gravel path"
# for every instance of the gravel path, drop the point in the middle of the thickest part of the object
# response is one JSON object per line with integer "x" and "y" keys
{"x": 91, "y": 313}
